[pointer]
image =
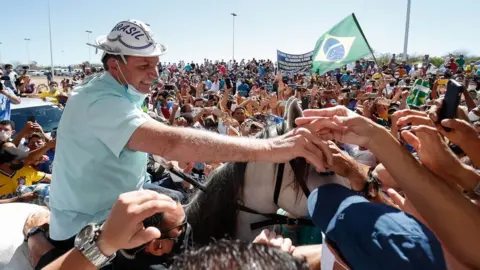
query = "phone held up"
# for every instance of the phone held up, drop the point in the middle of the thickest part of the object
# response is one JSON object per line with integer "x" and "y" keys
{"x": 228, "y": 82}
{"x": 451, "y": 101}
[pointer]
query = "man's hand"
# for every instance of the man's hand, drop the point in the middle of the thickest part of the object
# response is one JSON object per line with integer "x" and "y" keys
{"x": 462, "y": 133}
{"x": 124, "y": 226}
{"x": 303, "y": 142}
{"x": 345, "y": 166}
{"x": 433, "y": 152}
{"x": 350, "y": 127}
{"x": 272, "y": 239}
{"x": 28, "y": 197}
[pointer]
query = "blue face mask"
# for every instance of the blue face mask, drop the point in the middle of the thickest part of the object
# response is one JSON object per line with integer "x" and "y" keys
{"x": 135, "y": 96}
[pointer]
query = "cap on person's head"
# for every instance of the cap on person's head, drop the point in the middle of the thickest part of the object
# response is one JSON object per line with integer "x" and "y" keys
{"x": 371, "y": 235}
{"x": 133, "y": 38}
{"x": 9, "y": 154}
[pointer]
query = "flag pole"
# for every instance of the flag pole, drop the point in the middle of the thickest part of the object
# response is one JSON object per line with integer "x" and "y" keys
{"x": 366, "y": 41}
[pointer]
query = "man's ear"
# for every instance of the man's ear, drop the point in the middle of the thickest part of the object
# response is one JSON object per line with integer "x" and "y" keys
{"x": 113, "y": 63}
{"x": 13, "y": 132}
{"x": 155, "y": 248}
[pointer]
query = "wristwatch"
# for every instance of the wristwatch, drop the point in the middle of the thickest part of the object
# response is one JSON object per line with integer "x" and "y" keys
{"x": 371, "y": 187}
{"x": 86, "y": 242}
{"x": 35, "y": 230}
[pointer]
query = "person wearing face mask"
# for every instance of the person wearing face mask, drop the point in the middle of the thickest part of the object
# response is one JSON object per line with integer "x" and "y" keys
{"x": 104, "y": 137}
{"x": 7, "y": 97}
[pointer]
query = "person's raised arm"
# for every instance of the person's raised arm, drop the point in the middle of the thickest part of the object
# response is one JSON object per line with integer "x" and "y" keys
{"x": 433, "y": 198}
{"x": 123, "y": 228}
{"x": 10, "y": 95}
{"x": 35, "y": 155}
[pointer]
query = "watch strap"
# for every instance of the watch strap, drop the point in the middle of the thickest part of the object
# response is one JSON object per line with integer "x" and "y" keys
{"x": 33, "y": 231}
{"x": 93, "y": 253}
{"x": 95, "y": 256}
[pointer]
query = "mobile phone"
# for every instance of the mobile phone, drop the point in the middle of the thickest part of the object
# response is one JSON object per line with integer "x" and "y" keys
{"x": 345, "y": 90}
{"x": 169, "y": 87}
{"x": 372, "y": 95}
{"x": 31, "y": 118}
{"x": 305, "y": 102}
{"x": 294, "y": 86}
{"x": 285, "y": 79}
{"x": 451, "y": 101}
{"x": 228, "y": 82}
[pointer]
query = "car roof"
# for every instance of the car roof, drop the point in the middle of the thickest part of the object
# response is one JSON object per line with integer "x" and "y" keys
{"x": 30, "y": 102}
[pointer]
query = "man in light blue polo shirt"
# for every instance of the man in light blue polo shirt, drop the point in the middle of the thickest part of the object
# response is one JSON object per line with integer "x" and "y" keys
{"x": 103, "y": 137}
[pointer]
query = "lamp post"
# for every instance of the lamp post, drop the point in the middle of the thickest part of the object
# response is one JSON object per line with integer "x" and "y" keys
{"x": 50, "y": 34}
{"x": 61, "y": 62}
{"x": 88, "y": 41}
{"x": 28, "y": 54}
{"x": 233, "y": 30}
{"x": 407, "y": 28}
{"x": 0, "y": 54}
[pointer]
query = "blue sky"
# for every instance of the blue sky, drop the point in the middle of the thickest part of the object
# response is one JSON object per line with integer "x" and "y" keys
{"x": 194, "y": 30}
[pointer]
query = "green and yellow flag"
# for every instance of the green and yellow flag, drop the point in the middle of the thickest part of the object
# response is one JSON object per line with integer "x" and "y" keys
{"x": 341, "y": 45}
{"x": 418, "y": 92}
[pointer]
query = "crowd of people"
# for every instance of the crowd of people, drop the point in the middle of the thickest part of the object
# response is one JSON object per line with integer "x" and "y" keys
{"x": 414, "y": 184}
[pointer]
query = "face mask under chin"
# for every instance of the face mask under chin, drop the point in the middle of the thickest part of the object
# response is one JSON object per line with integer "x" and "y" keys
{"x": 135, "y": 96}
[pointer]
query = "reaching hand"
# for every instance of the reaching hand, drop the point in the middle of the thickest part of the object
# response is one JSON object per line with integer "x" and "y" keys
{"x": 28, "y": 197}
{"x": 433, "y": 151}
{"x": 124, "y": 226}
{"x": 351, "y": 127}
{"x": 272, "y": 239}
{"x": 462, "y": 133}
{"x": 303, "y": 142}
{"x": 344, "y": 165}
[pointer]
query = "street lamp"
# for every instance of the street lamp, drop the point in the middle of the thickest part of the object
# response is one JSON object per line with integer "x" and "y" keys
{"x": 88, "y": 41}
{"x": 233, "y": 52}
{"x": 28, "y": 54}
{"x": 50, "y": 33}
{"x": 61, "y": 62}
{"x": 0, "y": 54}
{"x": 407, "y": 28}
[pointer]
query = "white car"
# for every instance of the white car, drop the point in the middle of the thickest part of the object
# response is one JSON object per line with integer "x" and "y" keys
{"x": 46, "y": 113}
{"x": 34, "y": 73}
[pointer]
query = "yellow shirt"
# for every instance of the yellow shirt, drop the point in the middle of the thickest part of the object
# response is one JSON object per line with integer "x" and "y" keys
{"x": 25, "y": 176}
{"x": 50, "y": 95}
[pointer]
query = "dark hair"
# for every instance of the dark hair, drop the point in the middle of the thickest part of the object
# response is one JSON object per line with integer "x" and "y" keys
{"x": 157, "y": 219}
{"x": 8, "y": 123}
{"x": 36, "y": 135}
{"x": 106, "y": 58}
{"x": 225, "y": 254}
{"x": 8, "y": 66}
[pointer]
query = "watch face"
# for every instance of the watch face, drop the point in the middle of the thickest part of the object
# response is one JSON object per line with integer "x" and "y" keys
{"x": 84, "y": 236}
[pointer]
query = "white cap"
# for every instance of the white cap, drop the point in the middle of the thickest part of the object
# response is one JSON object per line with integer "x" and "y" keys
{"x": 133, "y": 38}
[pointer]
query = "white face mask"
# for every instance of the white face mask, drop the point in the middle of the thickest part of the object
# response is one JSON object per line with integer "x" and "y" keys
{"x": 4, "y": 136}
{"x": 473, "y": 117}
{"x": 135, "y": 96}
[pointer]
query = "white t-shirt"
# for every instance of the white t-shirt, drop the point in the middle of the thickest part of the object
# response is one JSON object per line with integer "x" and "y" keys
{"x": 215, "y": 86}
{"x": 412, "y": 73}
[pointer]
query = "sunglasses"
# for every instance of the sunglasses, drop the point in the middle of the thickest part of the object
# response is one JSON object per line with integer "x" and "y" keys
{"x": 182, "y": 227}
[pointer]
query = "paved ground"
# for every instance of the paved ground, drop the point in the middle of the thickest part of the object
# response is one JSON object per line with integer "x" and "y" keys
{"x": 43, "y": 79}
